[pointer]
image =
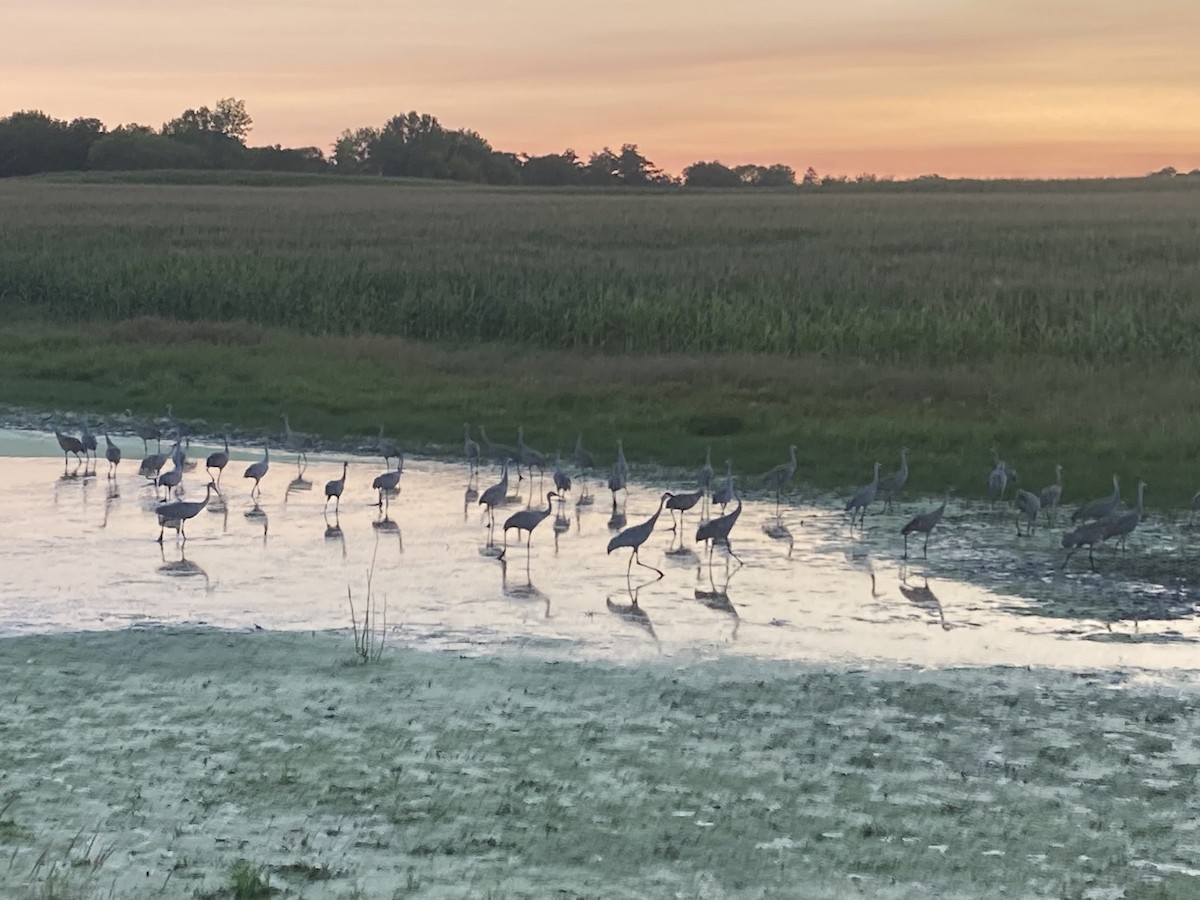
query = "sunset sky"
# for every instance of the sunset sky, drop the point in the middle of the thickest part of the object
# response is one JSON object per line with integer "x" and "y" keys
{"x": 895, "y": 87}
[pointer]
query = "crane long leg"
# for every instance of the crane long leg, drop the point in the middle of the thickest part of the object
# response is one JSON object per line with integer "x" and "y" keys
{"x": 729, "y": 550}
{"x": 905, "y": 547}
{"x": 925, "y": 552}
{"x": 645, "y": 565}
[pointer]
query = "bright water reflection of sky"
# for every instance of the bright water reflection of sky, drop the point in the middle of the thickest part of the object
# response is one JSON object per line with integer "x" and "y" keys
{"x": 80, "y": 555}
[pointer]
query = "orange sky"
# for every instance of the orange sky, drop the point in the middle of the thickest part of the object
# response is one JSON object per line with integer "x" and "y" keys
{"x": 895, "y": 87}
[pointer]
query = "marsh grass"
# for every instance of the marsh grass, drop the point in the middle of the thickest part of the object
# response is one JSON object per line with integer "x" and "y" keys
{"x": 1095, "y": 420}
{"x": 371, "y": 634}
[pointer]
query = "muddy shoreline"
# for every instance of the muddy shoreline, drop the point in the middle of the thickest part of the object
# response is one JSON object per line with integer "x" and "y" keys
{"x": 151, "y": 761}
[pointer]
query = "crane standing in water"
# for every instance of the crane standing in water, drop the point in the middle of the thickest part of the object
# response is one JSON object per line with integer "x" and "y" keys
{"x": 180, "y": 511}
{"x": 218, "y": 460}
{"x": 636, "y": 535}
{"x": 526, "y": 520}
{"x": 113, "y": 454}
{"x": 780, "y": 477}
{"x": 924, "y": 524}
{"x": 717, "y": 530}
{"x": 333, "y": 489}
{"x": 258, "y": 470}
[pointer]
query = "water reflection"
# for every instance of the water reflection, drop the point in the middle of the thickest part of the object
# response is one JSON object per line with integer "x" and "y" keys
{"x": 183, "y": 568}
{"x": 777, "y": 531}
{"x": 386, "y": 525}
{"x": 617, "y": 520}
{"x": 631, "y": 612}
{"x": 297, "y": 485}
{"x": 334, "y": 533}
{"x": 717, "y": 598}
{"x": 923, "y": 598}
{"x": 522, "y": 590}
{"x": 258, "y": 515}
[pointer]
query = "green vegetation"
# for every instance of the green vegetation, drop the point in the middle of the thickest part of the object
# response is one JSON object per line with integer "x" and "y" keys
{"x": 1061, "y": 326}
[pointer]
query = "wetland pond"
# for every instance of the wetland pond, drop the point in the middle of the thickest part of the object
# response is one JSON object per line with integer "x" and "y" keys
{"x": 80, "y": 555}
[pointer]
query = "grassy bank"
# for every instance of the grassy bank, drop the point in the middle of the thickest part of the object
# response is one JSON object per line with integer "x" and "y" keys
{"x": 668, "y": 408}
{"x": 138, "y": 760}
{"x": 1061, "y": 327}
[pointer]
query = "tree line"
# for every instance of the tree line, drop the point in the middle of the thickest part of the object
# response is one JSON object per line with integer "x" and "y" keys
{"x": 414, "y": 144}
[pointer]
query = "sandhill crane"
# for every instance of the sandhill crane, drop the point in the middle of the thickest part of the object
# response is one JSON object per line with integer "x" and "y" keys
{"x": 218, "y": 460}
{"x": 297, "y": 442}
{"x": 863, "y": 498}
{"x": 169, "y": 480}
{"x": 636, "y": 535}
{"x": 526, "y": 520}
{"x": 527, "y": 456}
{"x": 470, "y": 449}
{"x": 1122, "y": 525}
{"x": 715, "y": 530}
{"x": 1102, "y": 508}
{"x": 1028, "y": 505}
{"x": 147, "y": 431}
{"x": 113, "y": 454}
{"x": 152, "y": 465}
{"x": 998, "y": 480}
{"x": 1084, "y": 536}
{"x": 722, "y": 495}
{"x": 496, "y": 494}
{"x": 562, "y": 481}
{"x": 705, "y": 476}
{"x": 69, "y": 444}
{"x": 893, "y": 483}
{"x": 335, "y": 488}
{"x": 1051, "y": 495}
{"x": 180, "y": 511}
{"x": 616, "y": 482}
{"x": 258, "y": 470}
{"x": 88, "y": 439}
{"x": 924, "y": 523}
{"x": 780, "y": 477}
{"x": 387, "y": 483}
{"x": 500, "y": 453}
{"x": 585, "y": 463}
{"x": 1010, "y": 474}
{"x": 387, "y": 448}
{"x": 682, "y": 502}
{"x": 581, "y": 457}
{"x": 621, "y": 467}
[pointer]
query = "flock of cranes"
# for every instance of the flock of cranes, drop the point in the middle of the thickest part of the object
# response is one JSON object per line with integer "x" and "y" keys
{"x": 1094, "y": 522}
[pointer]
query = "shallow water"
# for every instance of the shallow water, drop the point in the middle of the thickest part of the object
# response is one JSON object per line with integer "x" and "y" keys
{"x": 80, "y": 554}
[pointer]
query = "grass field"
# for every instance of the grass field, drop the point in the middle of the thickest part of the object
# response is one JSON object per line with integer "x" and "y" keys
{"x": 1061, "y": 325}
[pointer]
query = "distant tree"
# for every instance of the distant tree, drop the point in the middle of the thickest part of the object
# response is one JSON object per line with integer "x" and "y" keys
{"x": 31, "y": 141}
{"x": 712, "y": 175}
{"x": 286, "y": 159}
{"x": 811, "y": 178}
{"x": 553, "y": 169}
{"x": 834, "y": 180}
{"x": 1164, "y": 172}
{"x": 353, "y": 152}
{"x": 126, "y": 150}
{"x": 601, "y": 168}
{"x": 635, "y": 170}
{"x": 774, "y": 176}
{"x": 220, "y": 133}
{"x": 865, "y": 178}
